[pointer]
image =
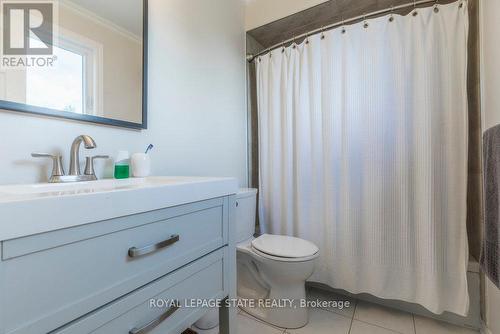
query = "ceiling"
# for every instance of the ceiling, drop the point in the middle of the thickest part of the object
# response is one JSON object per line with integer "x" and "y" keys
{"x": 260, "y": 12}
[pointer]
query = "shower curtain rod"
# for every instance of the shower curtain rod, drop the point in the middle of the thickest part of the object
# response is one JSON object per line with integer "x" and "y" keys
{"x": 414, "y": 4}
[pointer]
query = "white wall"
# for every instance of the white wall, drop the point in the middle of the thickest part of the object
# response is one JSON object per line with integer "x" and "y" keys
{"x": 197, "y": 109}
{"x": 492, "y": 307}
{"x": 490, "y": 74}
{"x": 260, "y": 12}
{"x": 490, "y": 12}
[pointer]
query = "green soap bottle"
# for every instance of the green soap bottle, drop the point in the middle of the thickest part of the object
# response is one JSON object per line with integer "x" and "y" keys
{"x": 122, "y": 169}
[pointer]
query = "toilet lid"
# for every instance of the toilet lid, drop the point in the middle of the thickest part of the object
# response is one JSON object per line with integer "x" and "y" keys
{"x": 284, "y": 246}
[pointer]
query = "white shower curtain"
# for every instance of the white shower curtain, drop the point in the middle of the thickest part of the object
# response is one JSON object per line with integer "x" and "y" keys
{"x": 363, "y": 150}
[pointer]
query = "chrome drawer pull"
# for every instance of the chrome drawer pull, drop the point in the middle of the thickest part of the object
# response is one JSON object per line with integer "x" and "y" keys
{"x": 150, "y": 326}
{"x": 135, "y": 252}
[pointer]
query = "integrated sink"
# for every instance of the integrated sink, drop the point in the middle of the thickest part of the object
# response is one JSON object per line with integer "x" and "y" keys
{"x": 30, "y": 191}
{"x": 62, "y": 189}
{"x": 37, "y": 208}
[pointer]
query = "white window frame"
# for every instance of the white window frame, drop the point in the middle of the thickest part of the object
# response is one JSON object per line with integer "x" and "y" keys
{"x": 93, "y": 63}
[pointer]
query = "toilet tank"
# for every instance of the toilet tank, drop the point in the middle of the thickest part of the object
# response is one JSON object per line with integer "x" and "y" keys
{"x": 246, "y": 203}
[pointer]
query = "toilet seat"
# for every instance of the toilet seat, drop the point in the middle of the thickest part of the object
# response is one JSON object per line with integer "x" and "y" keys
{"x": 284, "y": 248}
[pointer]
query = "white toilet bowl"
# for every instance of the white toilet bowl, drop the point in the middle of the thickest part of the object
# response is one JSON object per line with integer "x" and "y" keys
{"x": 272, "y": 271}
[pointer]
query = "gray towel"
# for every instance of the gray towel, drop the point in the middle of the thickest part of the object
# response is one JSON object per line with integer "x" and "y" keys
{"x": 491, "y": 241}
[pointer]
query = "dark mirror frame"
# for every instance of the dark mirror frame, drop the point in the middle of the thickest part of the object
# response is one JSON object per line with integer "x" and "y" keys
{"x": 25, "y": 108}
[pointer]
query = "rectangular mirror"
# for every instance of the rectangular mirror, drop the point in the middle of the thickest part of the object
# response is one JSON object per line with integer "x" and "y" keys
{"x": 92, "y": 66}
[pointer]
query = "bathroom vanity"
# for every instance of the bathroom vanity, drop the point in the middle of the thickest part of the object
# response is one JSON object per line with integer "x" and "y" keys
{"x": 116, "y": 256}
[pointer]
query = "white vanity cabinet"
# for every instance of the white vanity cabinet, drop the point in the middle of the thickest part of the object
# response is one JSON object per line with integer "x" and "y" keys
{"x": 136, "y": 274}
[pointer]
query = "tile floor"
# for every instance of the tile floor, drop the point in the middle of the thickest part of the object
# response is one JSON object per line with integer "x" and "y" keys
{"x": 360, "y": 318}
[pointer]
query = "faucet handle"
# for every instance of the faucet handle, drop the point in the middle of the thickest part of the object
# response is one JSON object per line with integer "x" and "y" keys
{"x": 89, "y": 164}
{"x": 57, "y": 167}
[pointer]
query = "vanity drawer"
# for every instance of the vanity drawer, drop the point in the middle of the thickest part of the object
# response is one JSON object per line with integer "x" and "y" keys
{"x": 55, "y": 278}
{"x": 202, "y": 279}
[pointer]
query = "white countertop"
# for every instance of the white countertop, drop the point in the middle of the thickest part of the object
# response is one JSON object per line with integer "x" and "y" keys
{"x": 37, "y": 208}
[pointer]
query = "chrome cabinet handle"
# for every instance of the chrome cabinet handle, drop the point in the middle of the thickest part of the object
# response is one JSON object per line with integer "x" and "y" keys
{"x": 154, "y": 323}
{"x": 136, "y": 252}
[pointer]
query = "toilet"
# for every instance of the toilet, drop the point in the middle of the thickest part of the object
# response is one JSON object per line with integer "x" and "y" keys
{"x": 271, "y": 270}
{"x": 271, "y": 267}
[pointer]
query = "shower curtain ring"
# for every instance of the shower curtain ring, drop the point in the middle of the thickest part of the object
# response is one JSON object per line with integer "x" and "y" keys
{"x": 436, "y": 8}
{"x": 282, "y": 46}
{"x": 307, "y": 38}
{"x": 415, "y": 12}
{"x": 293, "y": 43}
{"x": 343, "y": 26}
{"x": 365, "y": 25}
{"x": 322, "y": 32}
{"x": 391, "y": 17}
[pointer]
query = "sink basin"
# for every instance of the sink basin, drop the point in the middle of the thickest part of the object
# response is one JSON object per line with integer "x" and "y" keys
{"x": 38, "y": 190}
{"x": 37, "y": 208}
{"x": 54, "y": 189}
{"x": 27, "y": 191}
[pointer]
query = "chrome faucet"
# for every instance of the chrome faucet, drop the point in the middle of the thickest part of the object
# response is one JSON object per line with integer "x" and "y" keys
{"x": 75, "y": 174}
{"x": 74, "y": 163}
